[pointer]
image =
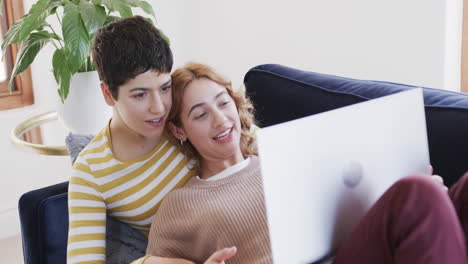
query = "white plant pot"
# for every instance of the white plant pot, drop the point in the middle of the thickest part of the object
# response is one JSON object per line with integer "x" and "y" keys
{"x": 84, "y": 112}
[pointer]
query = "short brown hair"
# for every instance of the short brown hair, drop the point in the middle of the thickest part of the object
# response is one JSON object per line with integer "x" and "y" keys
{"x": 128, "y": 47}
{"x": 181, "y": 78}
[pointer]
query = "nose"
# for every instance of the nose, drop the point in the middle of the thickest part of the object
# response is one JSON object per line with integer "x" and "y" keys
{"x": 156, "y": 105}
{"x": 218, "y": 118}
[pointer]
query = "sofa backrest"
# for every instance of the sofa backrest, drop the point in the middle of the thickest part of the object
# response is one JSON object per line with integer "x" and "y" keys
{"x": 281, "y": 94}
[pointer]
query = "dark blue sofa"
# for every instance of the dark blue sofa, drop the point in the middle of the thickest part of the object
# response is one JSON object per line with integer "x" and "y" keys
{"x": 279, "y": 94}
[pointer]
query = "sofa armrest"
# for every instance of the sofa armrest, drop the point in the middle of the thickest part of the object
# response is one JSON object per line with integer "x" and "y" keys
{"x": 44, "y": 211}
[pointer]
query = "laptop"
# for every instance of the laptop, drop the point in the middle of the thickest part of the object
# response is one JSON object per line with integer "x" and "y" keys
{"x": 321, "y": 173}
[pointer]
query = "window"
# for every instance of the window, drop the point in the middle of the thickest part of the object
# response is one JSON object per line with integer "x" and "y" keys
{"x": 22, "y": 94}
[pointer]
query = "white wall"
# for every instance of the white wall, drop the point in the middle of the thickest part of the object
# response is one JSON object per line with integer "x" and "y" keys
{"x": 453, "y": 44}
{"x": 401, "y": 41}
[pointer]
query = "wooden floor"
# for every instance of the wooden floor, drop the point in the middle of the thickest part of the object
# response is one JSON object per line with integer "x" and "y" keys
{"x": 11, "y": 251}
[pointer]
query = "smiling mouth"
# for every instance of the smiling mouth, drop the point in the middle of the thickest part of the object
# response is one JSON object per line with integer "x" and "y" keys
{"x": 223, "y": 135}
{"x": 155, "y": 122}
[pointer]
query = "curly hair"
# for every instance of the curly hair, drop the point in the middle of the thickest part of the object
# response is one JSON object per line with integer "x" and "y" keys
{"x": 181, "y": 78}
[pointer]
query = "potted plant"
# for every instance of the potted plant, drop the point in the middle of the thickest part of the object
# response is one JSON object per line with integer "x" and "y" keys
{"x": 78, "y": 20}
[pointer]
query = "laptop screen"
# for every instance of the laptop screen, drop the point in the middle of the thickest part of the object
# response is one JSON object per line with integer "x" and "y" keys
{"x": 323, "y": 172}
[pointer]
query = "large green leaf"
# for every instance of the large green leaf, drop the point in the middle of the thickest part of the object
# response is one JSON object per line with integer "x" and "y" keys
{"x": 62, "y": 73}
{"x": 28, "y": 51}
{"x": 53, "y": 5}
{"x": 11, "y": 35}
{"x": 33, "y": 20}
{"x": 21, "y": 28}
{"x": 1, "y": 9}
{"x": 76, "y": 37}
{"x": 145, "y": 6}
{"x": 93, "y": 16}
{"x": 121, "y": 6}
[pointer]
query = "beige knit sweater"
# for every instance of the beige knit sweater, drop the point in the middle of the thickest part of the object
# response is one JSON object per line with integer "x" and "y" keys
{"x": 205, "y": 216}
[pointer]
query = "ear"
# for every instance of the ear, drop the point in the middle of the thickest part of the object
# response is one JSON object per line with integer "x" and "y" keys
{"x": 177, "y": 132}
{"x": 107, "y": 94}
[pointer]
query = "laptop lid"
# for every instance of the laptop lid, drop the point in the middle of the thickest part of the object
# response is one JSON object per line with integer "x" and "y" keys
{"x": 321, "y": 173}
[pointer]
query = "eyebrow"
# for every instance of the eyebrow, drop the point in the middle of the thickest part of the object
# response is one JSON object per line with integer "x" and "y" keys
{"x": 146, "y": 89}
{"x": 200, "y": 104}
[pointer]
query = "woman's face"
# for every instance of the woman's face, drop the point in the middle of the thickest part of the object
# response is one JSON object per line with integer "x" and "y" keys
{"x": 210, "y": 121}
{"x": 144, "y": 103}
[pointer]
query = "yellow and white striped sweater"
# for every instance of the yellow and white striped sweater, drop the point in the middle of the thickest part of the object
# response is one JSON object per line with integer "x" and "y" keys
{"x": 130, "y": 191}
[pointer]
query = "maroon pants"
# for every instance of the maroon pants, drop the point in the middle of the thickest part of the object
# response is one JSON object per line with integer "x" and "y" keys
{"x": 415, "y": 221}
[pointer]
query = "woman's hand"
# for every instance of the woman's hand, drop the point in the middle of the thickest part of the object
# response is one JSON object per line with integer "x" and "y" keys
{"x": 221, "y": 255}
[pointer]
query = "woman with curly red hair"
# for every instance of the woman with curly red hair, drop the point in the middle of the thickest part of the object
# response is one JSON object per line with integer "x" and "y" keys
{"x": 415, "y": 221}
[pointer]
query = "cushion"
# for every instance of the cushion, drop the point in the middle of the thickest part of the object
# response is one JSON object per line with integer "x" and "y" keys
{"x": 76, "y": 143}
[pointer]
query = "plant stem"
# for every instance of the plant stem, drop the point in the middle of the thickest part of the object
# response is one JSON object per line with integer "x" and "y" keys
{"x": 55, "y": 45}
{"x": 60, "y": 43}
{"x": 58, "y": 18}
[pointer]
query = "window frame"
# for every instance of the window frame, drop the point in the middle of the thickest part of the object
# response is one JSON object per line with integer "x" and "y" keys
{"x": 22, "y": 94}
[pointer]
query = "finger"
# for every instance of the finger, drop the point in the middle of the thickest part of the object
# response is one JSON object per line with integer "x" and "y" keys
{"x": 438, "y": 179}
{"x": 223, "y": 254}
{"x": 431, "y": 170}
